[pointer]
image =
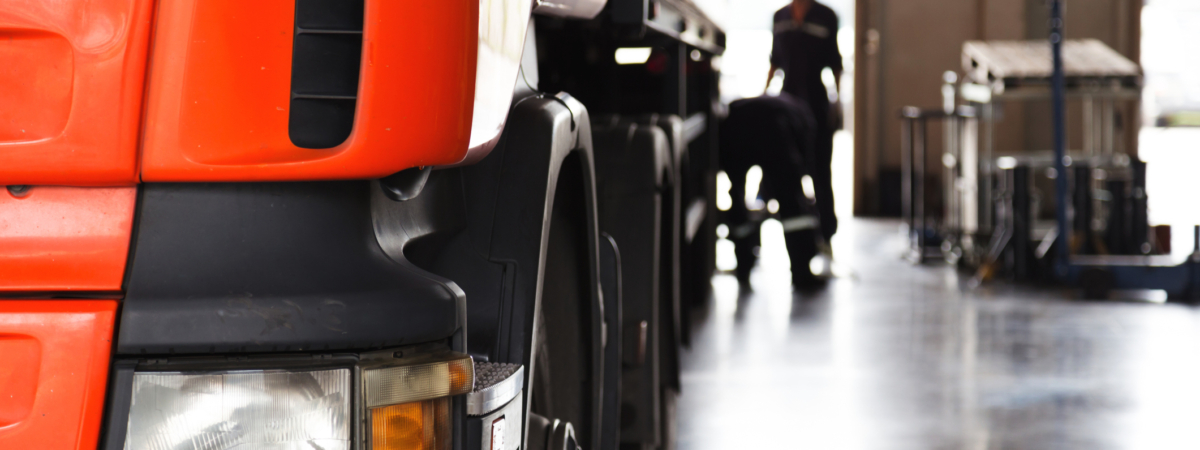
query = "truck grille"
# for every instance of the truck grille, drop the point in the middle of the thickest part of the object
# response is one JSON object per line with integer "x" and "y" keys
{"x": 326, "y": 56}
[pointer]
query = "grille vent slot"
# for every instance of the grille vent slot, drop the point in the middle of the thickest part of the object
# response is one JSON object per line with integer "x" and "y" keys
{"x": 326, "y": 57}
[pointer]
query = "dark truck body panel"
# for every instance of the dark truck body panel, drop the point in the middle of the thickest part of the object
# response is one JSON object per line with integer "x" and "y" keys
{"x": 272, "y": 267}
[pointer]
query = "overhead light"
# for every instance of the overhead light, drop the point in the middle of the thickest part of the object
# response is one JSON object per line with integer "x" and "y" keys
{"x": 632, "y": 55}
{"x": 1006, "y": 162}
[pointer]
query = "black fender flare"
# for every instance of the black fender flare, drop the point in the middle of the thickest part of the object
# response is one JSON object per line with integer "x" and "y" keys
{"x": 487, "y": 227}
{"x": 542, "y": 132}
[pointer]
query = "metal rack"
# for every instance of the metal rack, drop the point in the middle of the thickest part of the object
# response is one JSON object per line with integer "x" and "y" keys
{"x": 1010, "y": 71}
{"x": 939, "y": 237}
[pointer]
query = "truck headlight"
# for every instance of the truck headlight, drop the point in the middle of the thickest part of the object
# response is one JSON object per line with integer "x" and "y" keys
{"x": 378, "y": 401}
{"x": 240, "y": 409}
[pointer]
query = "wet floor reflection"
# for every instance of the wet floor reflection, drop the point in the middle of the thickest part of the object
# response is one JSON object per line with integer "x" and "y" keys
{"x": 892, "y": 356}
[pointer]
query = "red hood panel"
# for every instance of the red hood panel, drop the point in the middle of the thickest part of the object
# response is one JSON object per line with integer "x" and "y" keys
{"x": 71, "y": 88}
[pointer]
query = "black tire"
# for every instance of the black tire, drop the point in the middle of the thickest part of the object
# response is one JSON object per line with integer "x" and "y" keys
{"x": 565, "y": 379}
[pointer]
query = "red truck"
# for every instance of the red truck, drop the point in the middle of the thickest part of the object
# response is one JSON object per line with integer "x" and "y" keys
{"x": 351, "y": 224}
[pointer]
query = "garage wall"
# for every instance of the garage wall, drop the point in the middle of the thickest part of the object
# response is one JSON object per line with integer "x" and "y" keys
{"x": 904, "y": 47}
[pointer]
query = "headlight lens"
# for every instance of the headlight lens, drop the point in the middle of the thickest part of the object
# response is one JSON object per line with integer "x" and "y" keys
{"x": 242, "y": 409}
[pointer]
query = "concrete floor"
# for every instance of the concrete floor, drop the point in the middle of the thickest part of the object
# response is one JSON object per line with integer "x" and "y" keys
{"x": 892, "y": 356}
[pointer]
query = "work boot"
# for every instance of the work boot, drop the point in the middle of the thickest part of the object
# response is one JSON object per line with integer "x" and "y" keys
{"x": 802, "y": 247}
{"x": 744, "y": 250}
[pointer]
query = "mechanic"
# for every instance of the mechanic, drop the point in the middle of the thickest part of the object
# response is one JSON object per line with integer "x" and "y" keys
{"x": 805, "y": 43}
{"x": 776, "y": 133}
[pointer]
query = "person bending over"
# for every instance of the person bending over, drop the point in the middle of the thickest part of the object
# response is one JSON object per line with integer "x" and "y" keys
{"x": 776, "y": 134}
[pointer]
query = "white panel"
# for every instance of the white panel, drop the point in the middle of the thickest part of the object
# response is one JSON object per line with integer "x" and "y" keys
{"x": 502, "y": 27}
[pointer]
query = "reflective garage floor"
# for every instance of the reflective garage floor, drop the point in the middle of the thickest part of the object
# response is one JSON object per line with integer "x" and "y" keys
{"x": 892, "y": 356}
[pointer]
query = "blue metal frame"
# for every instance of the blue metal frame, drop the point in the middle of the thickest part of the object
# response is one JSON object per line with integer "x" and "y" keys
{"x": 1060, "y": 140}
{"x": 1140, "y": 273}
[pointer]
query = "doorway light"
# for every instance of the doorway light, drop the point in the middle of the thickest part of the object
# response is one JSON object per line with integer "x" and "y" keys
{"x": 632, "y": 55}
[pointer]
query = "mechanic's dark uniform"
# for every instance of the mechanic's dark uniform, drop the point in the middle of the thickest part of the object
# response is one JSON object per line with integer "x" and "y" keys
{"x": 777, "y": 134}
{"x": 803, "y": 50}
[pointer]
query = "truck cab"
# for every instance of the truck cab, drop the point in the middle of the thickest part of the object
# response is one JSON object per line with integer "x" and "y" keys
{"x": 351, "y": 224}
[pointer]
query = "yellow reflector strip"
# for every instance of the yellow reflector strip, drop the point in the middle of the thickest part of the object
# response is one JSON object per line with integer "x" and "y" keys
{"x": 412, "y": 426}
{"x": 404, "y": 384}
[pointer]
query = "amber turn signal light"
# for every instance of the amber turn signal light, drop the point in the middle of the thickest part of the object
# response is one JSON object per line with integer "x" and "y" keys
{"x": 421, "y": 425}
